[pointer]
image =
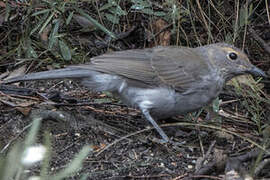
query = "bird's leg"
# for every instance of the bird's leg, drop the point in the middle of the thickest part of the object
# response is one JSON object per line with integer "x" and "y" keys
{"x": 153, "y": 122}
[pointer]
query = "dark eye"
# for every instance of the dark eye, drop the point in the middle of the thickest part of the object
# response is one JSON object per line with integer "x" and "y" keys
{"x": 233, "y": 56}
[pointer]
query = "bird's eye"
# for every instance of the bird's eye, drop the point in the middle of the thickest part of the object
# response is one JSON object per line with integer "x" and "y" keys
{"x": 232, "y": 56}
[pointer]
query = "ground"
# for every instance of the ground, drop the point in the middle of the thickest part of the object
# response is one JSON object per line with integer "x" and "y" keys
{"x": 123, "y": 142}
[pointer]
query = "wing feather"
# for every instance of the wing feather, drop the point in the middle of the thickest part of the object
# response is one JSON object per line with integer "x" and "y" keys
{"x": 178, "y": 67}
{"x": 133, "y": 64}
{"x": 172, "y": 66}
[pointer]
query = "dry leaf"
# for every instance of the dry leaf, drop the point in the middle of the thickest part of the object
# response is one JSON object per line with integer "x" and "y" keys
{"x": 17, "y": 72}
{"x": 24, "y": 110}
{"x": 163, "y": 35}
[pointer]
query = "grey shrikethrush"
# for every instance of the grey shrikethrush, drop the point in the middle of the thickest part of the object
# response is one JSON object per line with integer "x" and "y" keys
{"x": 160, "y": 81}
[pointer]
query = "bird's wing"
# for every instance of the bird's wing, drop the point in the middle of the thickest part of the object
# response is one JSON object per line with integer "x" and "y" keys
{"x": 133, "y": 64}
{"x": 172, "y": 66}
{"x": 179, "y": 68}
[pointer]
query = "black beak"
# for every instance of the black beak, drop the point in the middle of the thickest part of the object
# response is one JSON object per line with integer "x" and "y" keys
{"x": 257, "y": 72}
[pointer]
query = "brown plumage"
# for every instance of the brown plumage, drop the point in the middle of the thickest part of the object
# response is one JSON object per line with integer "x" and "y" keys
{"x": 160, "y": 81}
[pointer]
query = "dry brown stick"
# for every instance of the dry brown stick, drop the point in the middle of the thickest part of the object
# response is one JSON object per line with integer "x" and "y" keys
{"x": 202, "y": 160}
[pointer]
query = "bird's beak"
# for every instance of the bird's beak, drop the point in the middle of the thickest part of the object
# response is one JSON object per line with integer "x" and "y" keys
{"x": 256, "y": 72}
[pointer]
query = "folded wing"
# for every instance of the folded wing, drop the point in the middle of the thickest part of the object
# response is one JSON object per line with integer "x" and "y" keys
{"x": 171, "y": 66}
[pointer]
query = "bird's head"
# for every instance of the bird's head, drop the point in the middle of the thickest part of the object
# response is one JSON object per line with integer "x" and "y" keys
{"x": 230, "y": 61}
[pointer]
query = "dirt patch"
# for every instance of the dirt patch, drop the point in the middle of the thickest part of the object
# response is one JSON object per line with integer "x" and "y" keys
{"x": 104, "y": 123}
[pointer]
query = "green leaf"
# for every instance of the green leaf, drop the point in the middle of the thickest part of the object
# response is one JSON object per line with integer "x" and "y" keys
{"x": 32, "y": 134}
{"x": 53, "y": 39}
{"x": 7, "y": 13}
{"x": 62, "y": 8}
{"x": 44, "y": 18}
{"x": 69, "y": 18}
{"x": 95, "y": 23}
{"x": 106, "y": 6}
{"x": 140, "y": 4}
{"x": 137, "y": 7}
{"x": 216, "y": 104}
{"x": 113, "y": 18}
{"x": 41, "y": 12}
{"x": 159, "y": 13}
{"x": 119, "y": 11}
{"x": 46, "y": 23}
{"x": 12, "y": 162}
{"x": 31, "y": 52}
{"x": 243, "y": 15}
{"x": 64, "y": 50}
{"x": 229, "y": 38}
{"x": 148, "y": 11}
{"x": 112, "y": 2}
{"x": 103, "y": 100}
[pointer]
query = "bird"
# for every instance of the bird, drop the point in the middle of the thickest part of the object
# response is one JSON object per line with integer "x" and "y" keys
{"x": 161, "y": 81}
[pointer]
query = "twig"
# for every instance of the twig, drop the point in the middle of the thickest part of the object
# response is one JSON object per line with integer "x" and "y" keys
{"x": 199, "y": 164}
{"x": 122, "y": 138}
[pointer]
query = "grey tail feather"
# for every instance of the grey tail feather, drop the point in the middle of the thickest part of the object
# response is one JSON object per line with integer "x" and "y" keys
{"x": 69, "y": 73}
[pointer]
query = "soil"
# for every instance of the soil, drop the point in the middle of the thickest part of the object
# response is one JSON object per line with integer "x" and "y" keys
{"x": 124, "y": 143}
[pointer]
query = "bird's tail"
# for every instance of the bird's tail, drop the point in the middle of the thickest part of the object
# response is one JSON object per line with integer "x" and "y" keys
{"x": 65, "y": 73}
{"x": 94, "y": 80}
